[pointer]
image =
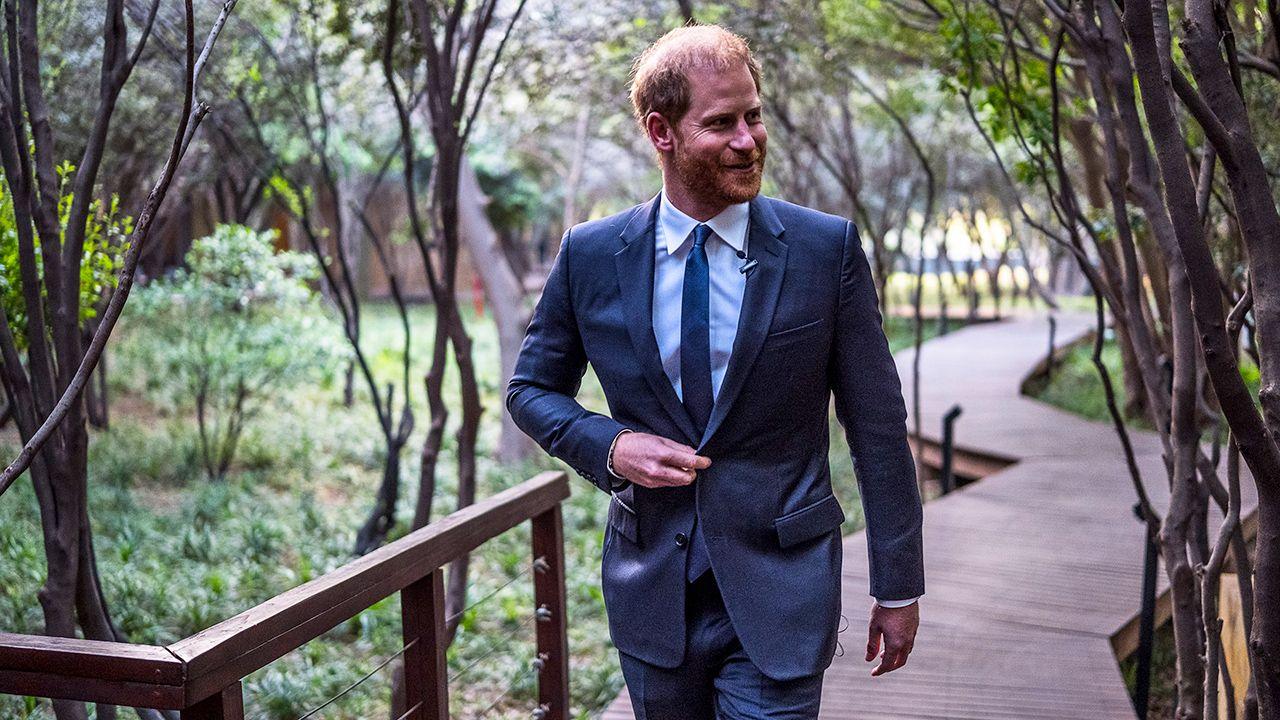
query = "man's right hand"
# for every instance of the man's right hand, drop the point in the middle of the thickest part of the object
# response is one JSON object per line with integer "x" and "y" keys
{"x": 656, "y": 462}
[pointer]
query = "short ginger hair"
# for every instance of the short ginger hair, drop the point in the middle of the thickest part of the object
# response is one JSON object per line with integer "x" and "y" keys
{"x": 659, "y": 82}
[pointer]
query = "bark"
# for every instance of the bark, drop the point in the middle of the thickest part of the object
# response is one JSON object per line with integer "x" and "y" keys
{"x": 686, "y": 10}
{"x": 1210, "y": 574}
{"x": 1135, "y": 389}
{"x": 577, "y": 164}
{"x": 505, "y": 293}
{"x": 452, "y": 60}
{"x": 1260, "y": 226}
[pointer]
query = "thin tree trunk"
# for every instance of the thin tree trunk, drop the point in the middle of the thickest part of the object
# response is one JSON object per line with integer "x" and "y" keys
{"x": 505, "y": 293}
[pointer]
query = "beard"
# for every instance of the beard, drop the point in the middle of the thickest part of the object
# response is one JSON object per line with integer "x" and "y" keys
{"x": 712, "y": 182}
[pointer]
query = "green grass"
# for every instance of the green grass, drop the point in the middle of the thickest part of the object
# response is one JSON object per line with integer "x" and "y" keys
{"x": 179, "y": 553}
{"x": 1076, "y": 387}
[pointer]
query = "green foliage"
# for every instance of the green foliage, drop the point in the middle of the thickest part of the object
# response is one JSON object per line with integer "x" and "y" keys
{"x": 860, "y": 21}
{"x": 1076, "y": 387}
{"x": 282, "y": 191}
{"x": 236, "y": 326}
{"x": 515, "y": 200}
{"x": 1010, "y": 89}
{"x": 105, "y": 243}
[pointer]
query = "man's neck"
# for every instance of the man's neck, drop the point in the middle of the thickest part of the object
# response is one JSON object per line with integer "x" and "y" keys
{"x": 690, "y": 205}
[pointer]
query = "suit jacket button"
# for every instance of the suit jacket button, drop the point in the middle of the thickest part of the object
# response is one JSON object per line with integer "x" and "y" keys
{"x": 681, "y": 539}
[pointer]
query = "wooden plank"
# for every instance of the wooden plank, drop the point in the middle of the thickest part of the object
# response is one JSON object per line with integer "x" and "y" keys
{"x": 1125, "y": 642}
{"x": 61, "y": 657}
{"x": 90, "y": 689}
{"x": 426, "y": 672}
{"x": 1234, "y": 644}
{"x": 90, "y": 670}
{"x": 240, "y": 645}
{"x": 553, "y": 625}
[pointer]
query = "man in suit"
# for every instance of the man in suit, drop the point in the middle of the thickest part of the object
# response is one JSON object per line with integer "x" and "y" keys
{"x": 720, "y": 322}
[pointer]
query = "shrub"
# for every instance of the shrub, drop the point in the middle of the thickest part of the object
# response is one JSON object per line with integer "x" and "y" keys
{"x": 233, "y": 329}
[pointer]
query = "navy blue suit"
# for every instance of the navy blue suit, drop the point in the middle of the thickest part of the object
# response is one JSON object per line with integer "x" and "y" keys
{"x": 809, "y": 327}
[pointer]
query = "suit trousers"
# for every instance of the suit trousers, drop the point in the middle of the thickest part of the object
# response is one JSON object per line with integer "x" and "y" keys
{"x": 716, "y": 680}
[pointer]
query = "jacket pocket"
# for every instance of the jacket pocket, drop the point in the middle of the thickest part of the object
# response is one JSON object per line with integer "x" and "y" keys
{"x": 810, "y": 521}
{"x": 622, "y": 518}
{"x": 784, "y": 338}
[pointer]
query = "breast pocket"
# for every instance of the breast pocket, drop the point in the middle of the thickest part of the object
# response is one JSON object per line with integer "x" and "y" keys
{"x": 792, "y": 335}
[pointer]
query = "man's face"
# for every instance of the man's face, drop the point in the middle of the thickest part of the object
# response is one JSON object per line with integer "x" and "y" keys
{"x": 718, "y": 147}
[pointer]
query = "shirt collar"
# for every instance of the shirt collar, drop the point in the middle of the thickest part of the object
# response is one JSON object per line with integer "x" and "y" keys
{"x": 730, "y": 225}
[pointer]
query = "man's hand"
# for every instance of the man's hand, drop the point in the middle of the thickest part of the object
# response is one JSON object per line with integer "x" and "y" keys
{"x": 655, "y": 462}
{"x": 898, "y": 627}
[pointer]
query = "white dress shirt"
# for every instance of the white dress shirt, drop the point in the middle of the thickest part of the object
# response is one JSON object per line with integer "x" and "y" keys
{"x": 672, "y": 243}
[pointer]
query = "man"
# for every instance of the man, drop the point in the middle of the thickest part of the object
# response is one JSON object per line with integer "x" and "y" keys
{"x": 719, "y": 323}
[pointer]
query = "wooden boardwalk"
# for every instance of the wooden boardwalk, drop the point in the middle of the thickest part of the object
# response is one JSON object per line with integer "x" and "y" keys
{"x": 1032, "y": 574}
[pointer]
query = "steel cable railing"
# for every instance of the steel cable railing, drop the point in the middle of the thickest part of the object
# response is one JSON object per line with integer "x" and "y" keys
{"x": 504, "y": 643}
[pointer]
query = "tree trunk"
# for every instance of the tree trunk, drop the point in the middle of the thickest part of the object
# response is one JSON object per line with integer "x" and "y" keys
{"x": 505, "y": 294}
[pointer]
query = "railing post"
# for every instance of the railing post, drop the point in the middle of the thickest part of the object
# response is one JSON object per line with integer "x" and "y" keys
{"x": 1146, "y": 627}
{"x": 426, "y": 678}
{"x": 552, "y": 609}
{"x": 226, "y": 705}
{"x": 1053, "y": 331}
{"x": 948, "y": 448}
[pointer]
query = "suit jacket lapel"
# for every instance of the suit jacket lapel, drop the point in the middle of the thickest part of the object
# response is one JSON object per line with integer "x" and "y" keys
{"x": 759, "y": 302}
{"x": 635, "y": 280}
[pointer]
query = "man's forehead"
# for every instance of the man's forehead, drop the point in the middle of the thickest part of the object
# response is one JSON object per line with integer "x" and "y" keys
{"x": 711, "y": 86}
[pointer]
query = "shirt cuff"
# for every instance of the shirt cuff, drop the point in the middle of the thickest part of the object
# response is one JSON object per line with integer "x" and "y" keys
{"x": 896, "y": 603}
{"x": 622, "y": 480}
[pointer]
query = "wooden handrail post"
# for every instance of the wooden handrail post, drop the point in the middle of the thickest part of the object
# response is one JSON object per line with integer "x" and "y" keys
{"x": 426, "y": 673}
{"x": 226, "y": 705}
{"x": 552, "y": 609}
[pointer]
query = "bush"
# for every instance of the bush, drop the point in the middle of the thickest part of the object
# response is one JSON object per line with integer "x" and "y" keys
{"x": 236, "y": 327}
{"x": 106, "y": 239}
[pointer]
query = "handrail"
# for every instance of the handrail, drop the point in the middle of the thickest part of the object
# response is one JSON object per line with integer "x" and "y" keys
{"x": 91, "y": 670}
{"x": 201, "y": 674}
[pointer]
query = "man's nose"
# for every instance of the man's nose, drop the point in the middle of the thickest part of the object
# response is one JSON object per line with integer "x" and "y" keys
{"x": 743, "y": 140}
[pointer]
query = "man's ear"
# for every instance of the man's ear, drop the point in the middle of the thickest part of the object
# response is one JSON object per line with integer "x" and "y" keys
{"x": 660, "y": 132}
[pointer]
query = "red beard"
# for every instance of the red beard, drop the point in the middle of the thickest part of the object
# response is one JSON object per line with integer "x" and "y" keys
{"x": 713, "y": 182}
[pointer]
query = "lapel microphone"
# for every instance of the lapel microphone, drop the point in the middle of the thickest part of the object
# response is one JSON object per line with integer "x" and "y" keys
{"x": 748, "y": 266}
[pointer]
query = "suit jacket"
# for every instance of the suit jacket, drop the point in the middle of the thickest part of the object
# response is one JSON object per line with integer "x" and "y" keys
{"x": 809, "y": 328}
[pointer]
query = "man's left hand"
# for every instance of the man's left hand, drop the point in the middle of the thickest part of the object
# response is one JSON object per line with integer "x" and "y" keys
{"x": 898, "y": 628}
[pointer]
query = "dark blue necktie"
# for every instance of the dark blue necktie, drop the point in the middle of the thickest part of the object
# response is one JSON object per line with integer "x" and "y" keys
{"x": 695, "y": 365}
{"x": 695, "y": 332}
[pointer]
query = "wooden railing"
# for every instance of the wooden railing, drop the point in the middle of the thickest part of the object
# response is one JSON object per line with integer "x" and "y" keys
{"x": 201, "y": 675}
